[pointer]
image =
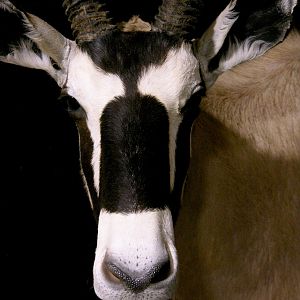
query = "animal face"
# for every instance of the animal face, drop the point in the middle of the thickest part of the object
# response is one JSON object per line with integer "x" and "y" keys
{"x": 135, "y": 104}
{"x": 134, "y": 95}
{"x": 133, "y": 109}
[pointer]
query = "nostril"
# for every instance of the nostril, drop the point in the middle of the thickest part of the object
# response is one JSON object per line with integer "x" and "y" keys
{"x": 133, "y": 283}
{"x": 111, "y": 275}
{"x": 137, "y": 282}
{"x": 116, "y": 273}
{"x": 161, "y": 272}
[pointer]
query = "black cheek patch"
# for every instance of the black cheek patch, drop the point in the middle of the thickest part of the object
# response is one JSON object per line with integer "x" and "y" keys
{"x": 86, "y": 153}
{"x": 134, "y": 171}
{"x": 182, "y": 157}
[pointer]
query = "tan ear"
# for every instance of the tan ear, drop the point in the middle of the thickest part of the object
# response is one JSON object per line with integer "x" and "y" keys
{"x": 231, "y": 40}
{"x": 48, "y": 39}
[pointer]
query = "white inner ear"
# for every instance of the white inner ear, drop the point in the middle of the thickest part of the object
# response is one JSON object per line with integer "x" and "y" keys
{"x": 239, "y": 52}
{"x": 6, "y": 5}
{"x": 25, "y": 57}
{"x": 212, "y": 40}
{"x": 288, "y": 5}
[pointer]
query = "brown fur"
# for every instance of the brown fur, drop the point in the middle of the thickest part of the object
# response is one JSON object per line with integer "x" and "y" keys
{"x": 134, "y": 24}
{"x": 238, "y": 233}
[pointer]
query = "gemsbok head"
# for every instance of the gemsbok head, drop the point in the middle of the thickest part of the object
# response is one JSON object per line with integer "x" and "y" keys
{"x": 134, "y": 91}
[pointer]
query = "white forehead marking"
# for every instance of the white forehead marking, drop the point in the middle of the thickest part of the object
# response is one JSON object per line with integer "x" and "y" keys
{"x": 93, "y": 89}
{"x": 172, "y": 83}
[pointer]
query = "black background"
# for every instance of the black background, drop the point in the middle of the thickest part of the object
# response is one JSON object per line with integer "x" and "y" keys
{"x": 48, "y": 231}
{"x": 49, "y": 234}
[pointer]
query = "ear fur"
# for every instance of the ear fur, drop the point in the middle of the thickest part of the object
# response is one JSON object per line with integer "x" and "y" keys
{"x": 240, "y": 33}
{"x": 37, "y": 44}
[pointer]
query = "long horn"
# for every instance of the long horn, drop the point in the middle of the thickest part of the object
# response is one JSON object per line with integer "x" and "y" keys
{"x": 180, "y": 17}
{"x": 88, "y": 19}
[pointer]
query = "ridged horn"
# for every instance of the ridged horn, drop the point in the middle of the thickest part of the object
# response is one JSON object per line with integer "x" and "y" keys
{"x": 179, "y": 17}
{"x": 88, "y": 19}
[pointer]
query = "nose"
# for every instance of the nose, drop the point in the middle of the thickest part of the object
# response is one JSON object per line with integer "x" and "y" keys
{"x": 134, "y": 281}
{"x": 135, "y": 256}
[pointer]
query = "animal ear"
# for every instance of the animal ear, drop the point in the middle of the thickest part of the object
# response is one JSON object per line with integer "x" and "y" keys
{"x": 32, "y": 43}
{"x": 243, "y": 31}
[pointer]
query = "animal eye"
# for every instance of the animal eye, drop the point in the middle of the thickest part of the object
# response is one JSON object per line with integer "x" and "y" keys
{"x": 71, "y": 105}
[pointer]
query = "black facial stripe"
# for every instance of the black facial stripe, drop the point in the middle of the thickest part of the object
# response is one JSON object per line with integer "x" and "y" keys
{"x": 86, "y": 152}
{"x": 134, "y": 171}
{"x": 182, "y": 157}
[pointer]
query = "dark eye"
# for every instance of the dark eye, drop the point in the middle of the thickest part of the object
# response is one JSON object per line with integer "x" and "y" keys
{"x": 193, "y": 102}
{"x": 71, "y": 105}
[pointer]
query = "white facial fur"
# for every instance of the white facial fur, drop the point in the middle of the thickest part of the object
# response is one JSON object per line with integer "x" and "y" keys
{"x": 93, "y": 89}
{"x": 146, "y": 238}
{"x": 137, "y": 241}
{"x": 172, "y": 83}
